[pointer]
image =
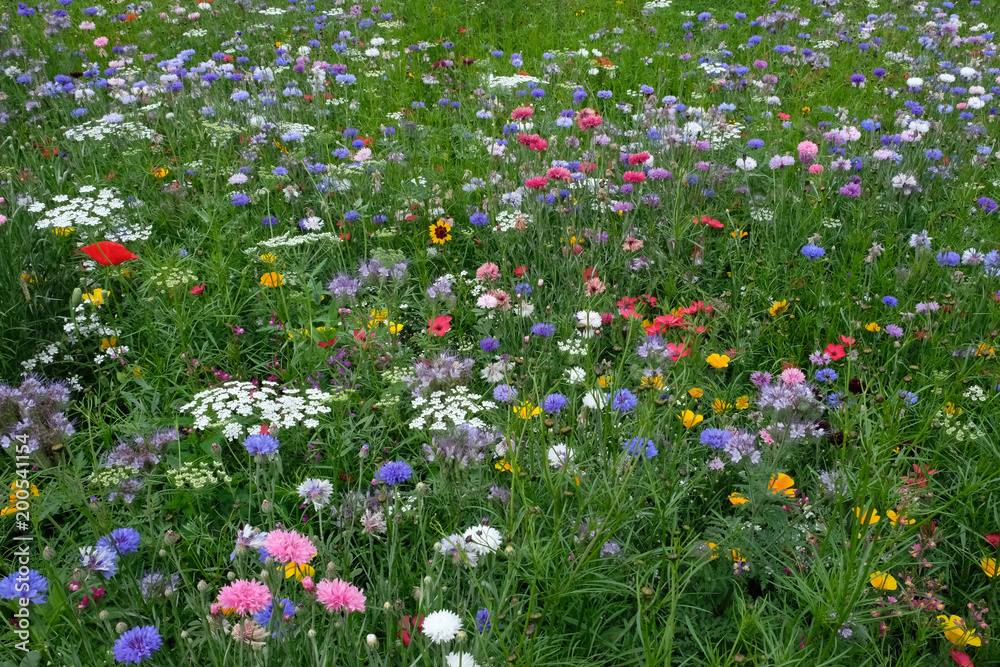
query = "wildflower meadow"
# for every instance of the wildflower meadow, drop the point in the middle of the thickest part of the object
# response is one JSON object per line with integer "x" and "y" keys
{"x": 468, "y": 333}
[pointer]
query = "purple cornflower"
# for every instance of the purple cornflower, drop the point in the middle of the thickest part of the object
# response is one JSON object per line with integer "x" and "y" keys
{"x": 239, "y": 199}
{"x": 716, "y": 438}
{"x": 99, "y": 559}
{"x": 894, "y": 331}
{"x": 269, "y": 221}
{"x": 543, "y": 329}
{"x": 987, "y": 204}
{"x": 489, "y": 344}
{"x": 121, "y": 540}
{"x": 12, "y": 587}
{"x": 638, "y": 446}
{"x": 137, "y": 644}
{"x": 623, "y": 400}
{"x": 395, "y": 472}
{"x": 261, "y": 444}
{"x": 761, "y": 379}
{"x": 554, "y": 403}
{"x": 344, "y": 287}
{"x": 813, "y": 251}
{"x": 505, "y": 393}
{"x": 483, "y": 620}
{"x": 890, "y": 301}
{"x": 948, "y": 258}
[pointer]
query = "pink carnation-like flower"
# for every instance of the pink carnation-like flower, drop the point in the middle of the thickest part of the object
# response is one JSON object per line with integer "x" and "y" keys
{"x": 638, "y": 158}
{"x": 808, "y": 148}
{"x": 588, "y": 118}
{"x": 633, "y": 177}
{"x": 792, "y": 376}
{"x": 308, "y": 584}
{"x": 488, "y": 271}
{"x": 537, "y": 182}
{"x": 245, "y": 597}
{"x": 101, "y": 41}
{"x": 816, "y": 169}
{"x": 87, "y": 25}
{"x": 288, "y": 546}
{"x": 337, "y": 594}
{"x": 521, "y": 112}
{"x": 559, "y": 174}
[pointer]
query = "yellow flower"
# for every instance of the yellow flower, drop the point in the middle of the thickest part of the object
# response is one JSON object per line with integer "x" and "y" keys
{"x": 377, "y": 317}
{"x": 604, "y": 381}
{"x": 806, "y": 109}
{"x": 741, "y": 233}
{"x": 737, "y": 498}
{"x": 502, "y": 464}
{"x": 957, "y": 633}
{"x": 526, "y": 410}
{"x": 268, "y": 257}
{"x": 695, "y": 392}
{"x": 713, "y": 549}
{"x": 867, "y": 518}
{"x": 720, "y": 406}
{"x": 272, "y": 279}
{"x": 781, "y": 483}
{"x": 160, "y": 172}
{"x": 62, "y": 231}
{"x": 13, "y": 499}
{"x": 952, "y": 409}
{"x": 108, "y": 342}
{"x": 440, "y": 232}
{"x": 898, "y": 519}
{"x": 395, "y": 327}
{"x": 883, "y": 581}
{"x": 298, "y": 570}
{"x": 778, "y": 307}
{"x": 743, "y": 402}
{"x": 989, "y": 566}
{"x": 689, "y": 418}
{"x": 736, "y": 556}
{"x": 95, "y": 298}
{"x": 718, "y": 361}
{"x": 984, "y": 351}
{"x": 873, "y": 327}
{"x": 653, "y": 381}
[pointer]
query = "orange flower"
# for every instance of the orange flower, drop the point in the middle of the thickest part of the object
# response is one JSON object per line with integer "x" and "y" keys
{"x": 989, "y": 566}
{"x": 272, "y": 279}
{"x": 781, "y": 483}
{"x": 883, "y": 581}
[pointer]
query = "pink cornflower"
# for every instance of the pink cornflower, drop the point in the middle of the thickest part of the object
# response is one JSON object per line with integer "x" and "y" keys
{"x": 808, "y": 148}
{"x": 537, "y": 182}
{"x": 633, "y": 177}
{"x": 816, "y": 169}
{"x": 632, "y": 244}
{"x": 559, "y": 174}
{"x": 308, "y": 584}
{"x": 521, "y": 112}
{"x": 638, "y": 158}
{"x": 792, "y": 376}
{"x": 101, "y": 41}
{"x": 244, "y": 597}
{"x": 588, "y": 118}
{"x": 336, "y": 595}
{"x": 87, "y": 25}
{"x": 488, "y": 271}
{"x": 288, "y": 546}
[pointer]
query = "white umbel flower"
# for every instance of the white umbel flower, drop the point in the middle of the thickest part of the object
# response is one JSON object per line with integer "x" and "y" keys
{"x": 442, "y": 626}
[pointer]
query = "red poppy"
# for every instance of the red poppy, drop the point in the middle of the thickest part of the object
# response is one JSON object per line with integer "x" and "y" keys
{"x": 197, "y": 289}
{"x": 440, "y": 325}
{"x": 994, "y": 539}
{"x": 961, "y": 659}
{"x": 835, "y": 351}
{"x": 415, "y": 623}
{"x": 109, "y": 253}
{"x": 519, "y": 271}
{"x": 327, "y": 343}
{"x": 265, "y": 429}
{"x": 846, "y": 340}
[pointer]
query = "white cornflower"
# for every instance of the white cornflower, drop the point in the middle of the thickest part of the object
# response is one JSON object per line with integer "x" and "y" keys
{"x": 482, "y": 539}
{"x": 442, "y": 626}
{"x": 460, "y": 660}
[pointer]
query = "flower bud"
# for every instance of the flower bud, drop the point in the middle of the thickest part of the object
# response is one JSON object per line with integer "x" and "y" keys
{"x": 171, "y": 537}
{"x": 121, "y": 627}
{"x": 371, "y": 639}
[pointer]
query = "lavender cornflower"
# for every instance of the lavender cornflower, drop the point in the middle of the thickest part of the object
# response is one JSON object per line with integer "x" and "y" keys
{"x": 483, "y": 620}
{"x": 543, "y": 329}
{"x": 248, "y": 539}
{"x": 894, "y": 331}
{"x": 156, "y": 585}
{"x": 137, "y": 644}
{"x": 121, "y": 541}
{"x": 716, "y": 438}
{"x": 394, "y": 472}
{"x": 742, "y": 445}
{"x": 504, "y": 393}
{"x": 623, "y": 400}
{"x": 489, "y": 344}
{"x": 639, "y": 446}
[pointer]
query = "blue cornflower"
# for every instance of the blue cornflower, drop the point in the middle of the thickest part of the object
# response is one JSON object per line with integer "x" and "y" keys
{"x": 949, "y": 258}
{"x": 908, "y": 397}
{"x": 137, "y": 644}
{"x": 826, "y": 375}
{"x": 99, "y": 559}
{"x": 239, "y": 199}
{"x": 11, "y": 585}
{"x": 489, "y": 344}
{"x": 483, "y": 620}
{"x": 269, "y": 221}
{"x": 504, "y": 393}
{"x": 543, "y": 329}
{"x": 623, "y": 400}
{"x": 554, "y": 403}
{"x": 479, "y": 219}
{"x": 261, "y": 444}
{"x": 813, "y": 251}
{"x": 639, "y": 446}
{"x": 755, "y": 143}
{"x": 524, "y": 289}
{"x": 604, "y": 94}
{"x": 395, "y": 472}
{"x": 716, "y": 438}
{"x": 121, "y": 540}
{"x": 351, "y": 216}
{"x": 890, "y": 301}
{"x": 265, "y": 615}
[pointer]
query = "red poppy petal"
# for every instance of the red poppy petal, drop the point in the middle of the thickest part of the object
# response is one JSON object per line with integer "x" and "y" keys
{"x": 961, "y": 659}
{"x": 109, "y": 253}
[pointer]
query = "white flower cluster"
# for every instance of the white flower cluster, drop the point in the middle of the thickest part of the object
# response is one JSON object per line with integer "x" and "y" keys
{"x": 475, "y": 542}
{"x": 287, "y": 240}
{"x": 99, "y": 215}
{"x": 574, "y": 347}
{"x": 199, "y": 475}
{"x": 975, "y": 393}
{"x": 507, "y": 220}
{"x": 443, "y": 411}
{"x": 196, "y": 32}
{"x": 173, "y": 278}
{"x": 236, "y": 401}
{"x": 507, "y": 82}
{"x": 653, "y": 5}
{"x": 961, "y": 432}
{"x": 95, "y": 130}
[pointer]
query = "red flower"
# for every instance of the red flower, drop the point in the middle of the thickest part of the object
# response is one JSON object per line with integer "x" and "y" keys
{"x": 994, "y": 539}
{"x": 415, "y": 623}
{"x": 109, "y": 253}
{"x": 327, "y": 343}
{"x": 961, "y": 659}
{"x": 835, "y": 351}
{"x": 197, "y": 289}
{"x": 519, "y": 271}
{"x": 440, "y": 325}
{"x": 846, "y": 340}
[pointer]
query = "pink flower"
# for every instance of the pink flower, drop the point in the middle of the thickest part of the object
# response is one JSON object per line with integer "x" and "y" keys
{"x": 194, "y": 15}
{"x": 537, "y": 182}
{"x": 3, "y": 219}
{"x": 792, "y": 376}
{"x": 633, "y": 177}
{"x": 808, "y": 148}
{"x": 336, "y": 595}
{"x": 816, "y": 169}
{"x": 638, "y": 158}
{"x": 488, "y": 271}
{"x": 766, "y": 437}
{"x": 101, "y": 41}
{"x": 588, "y": 118}
{"x": 288, "y": 546}
{"x": 521, "y": 112}
{"x": 559, "y": 174}
{"x": 197, "y": 289}
{"x": 308, "y": 584}
{"x": 87, "y": 25}
{"x": 245, "y": 597}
